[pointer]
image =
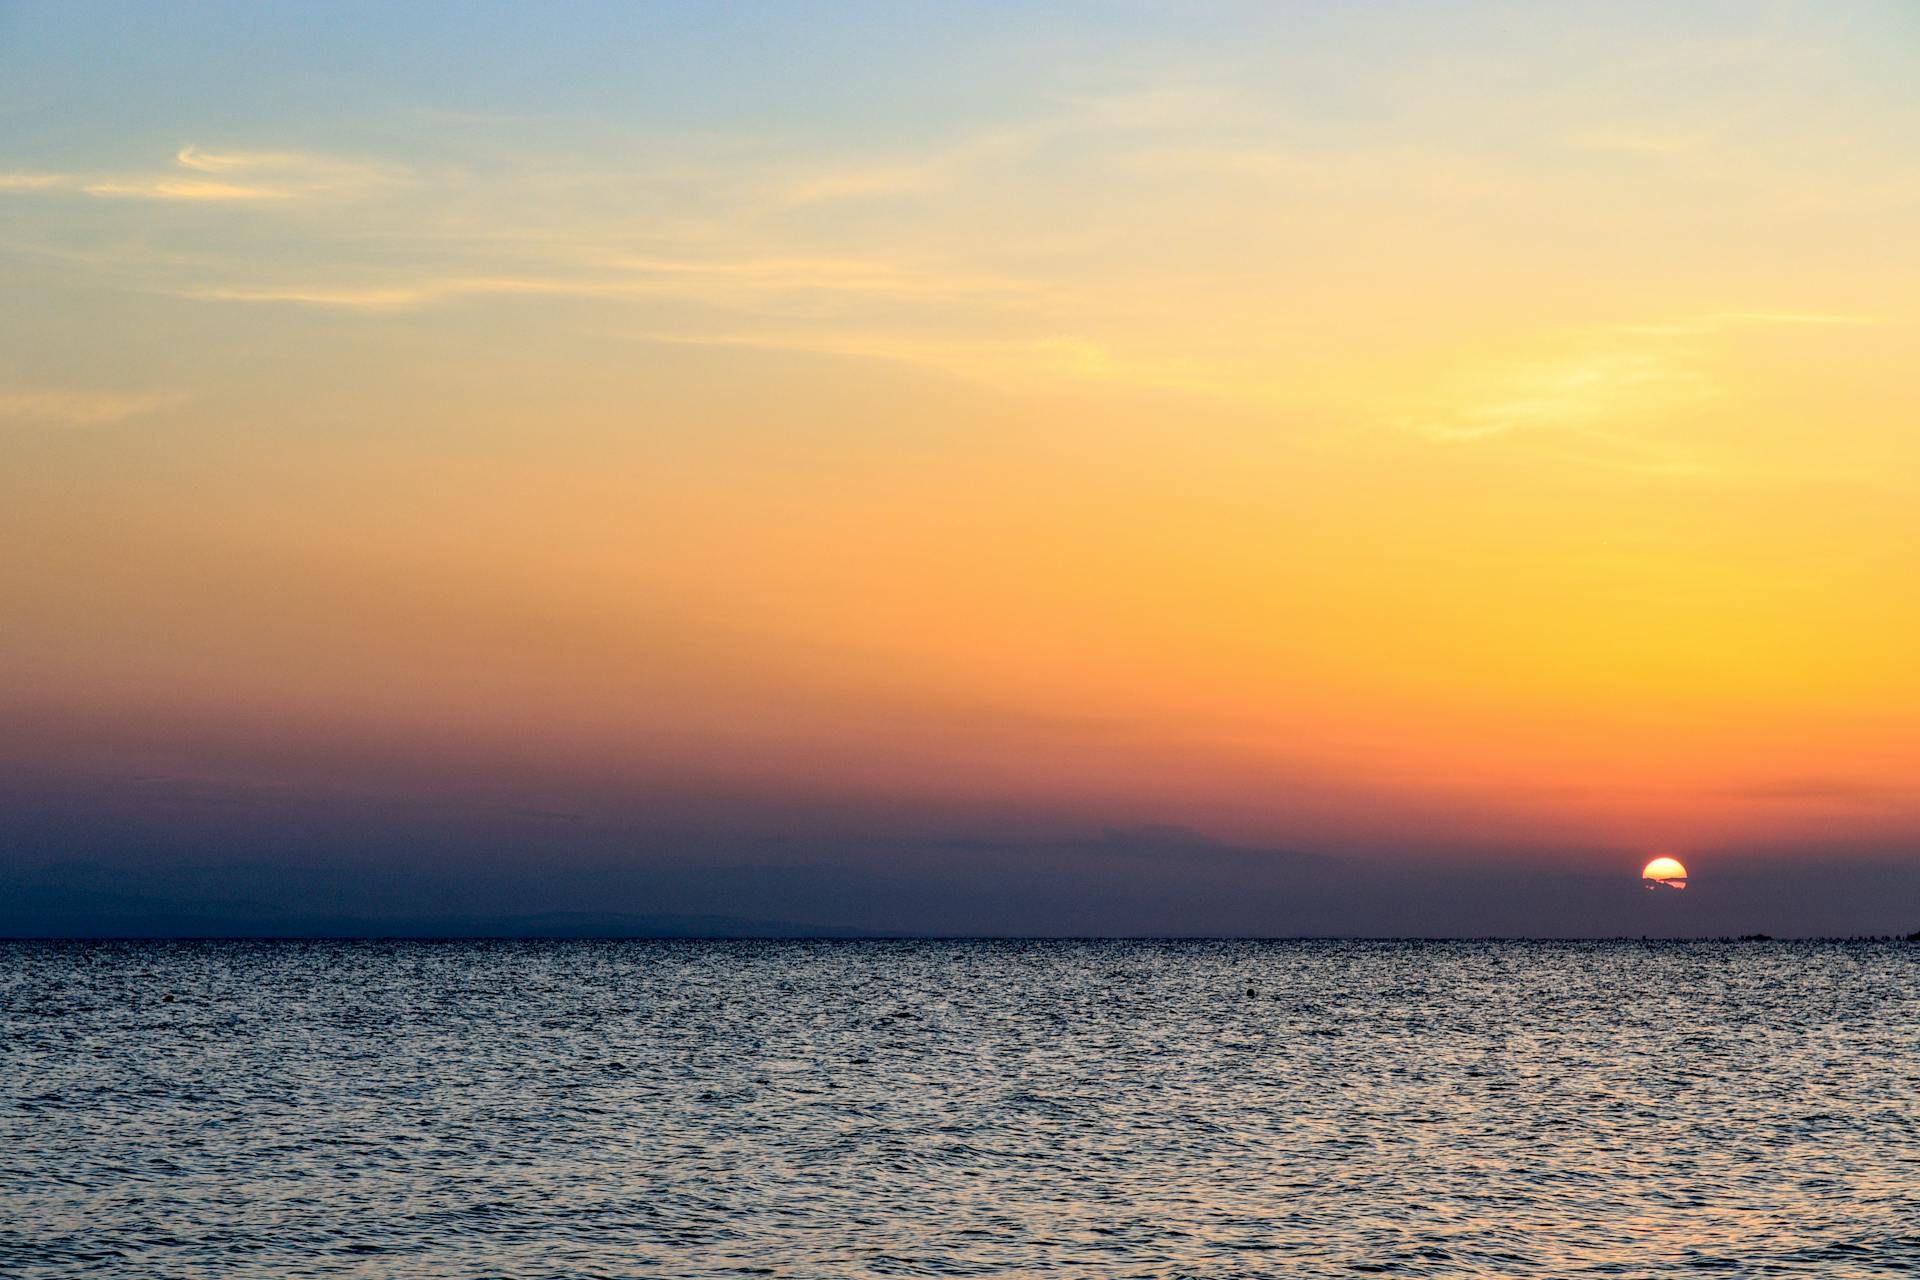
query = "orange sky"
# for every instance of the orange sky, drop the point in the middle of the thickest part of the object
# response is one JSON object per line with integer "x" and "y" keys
{"x": 1482, "y": 426}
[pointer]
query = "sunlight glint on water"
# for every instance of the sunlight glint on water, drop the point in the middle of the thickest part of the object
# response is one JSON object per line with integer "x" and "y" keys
{"x": 857, "y": 1109}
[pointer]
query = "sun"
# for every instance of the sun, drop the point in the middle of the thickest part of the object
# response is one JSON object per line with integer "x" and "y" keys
{"x": 1664, "y": 873}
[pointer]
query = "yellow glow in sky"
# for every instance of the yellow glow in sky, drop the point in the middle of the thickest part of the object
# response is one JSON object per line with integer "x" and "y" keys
{"x": 1308, "y": 423}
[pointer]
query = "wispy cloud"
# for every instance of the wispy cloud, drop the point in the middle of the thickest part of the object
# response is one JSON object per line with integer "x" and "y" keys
{"x": 829, "y": 274}
{"x": 1610, "y": 383}
{"x": 182, "y": 189}
{"x": 976, "y": 358}
{"x": 353, "y": 299}
{"x": 738, "y": 282}
{"x": 927, "y": 172}
{"x": 245, "y": 177}
{"x": 65, "y": 407}
{"x": 1579, "y": 391}
{"x": 233, "y": 161}
{"x": 941, "y": 168}
{"x": 34, "y": 181}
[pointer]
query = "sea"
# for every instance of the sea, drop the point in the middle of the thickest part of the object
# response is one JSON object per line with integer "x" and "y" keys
{"x": 959, "y": 1108}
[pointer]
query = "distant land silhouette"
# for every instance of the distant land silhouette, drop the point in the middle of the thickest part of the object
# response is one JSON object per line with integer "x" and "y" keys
{"x": 555, "y": 924}
{"x": 1112, "y": 882}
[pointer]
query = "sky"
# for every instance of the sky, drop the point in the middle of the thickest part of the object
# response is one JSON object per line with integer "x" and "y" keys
{"x": 1376, "y": 468}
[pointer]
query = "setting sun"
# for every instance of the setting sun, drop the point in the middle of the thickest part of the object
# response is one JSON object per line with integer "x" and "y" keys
{"x": 722, "y": 597}
{"x": 1664, "y": 873}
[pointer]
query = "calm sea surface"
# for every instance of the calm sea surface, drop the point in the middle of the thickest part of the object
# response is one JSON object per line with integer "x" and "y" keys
{"x": 944, "y": 1109}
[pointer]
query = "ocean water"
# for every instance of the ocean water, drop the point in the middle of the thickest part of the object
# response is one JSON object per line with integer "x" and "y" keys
{"x": 1083, "y": 1109}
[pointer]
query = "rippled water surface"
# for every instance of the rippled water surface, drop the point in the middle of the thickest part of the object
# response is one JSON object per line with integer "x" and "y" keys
{"x": 866, "y": 1109}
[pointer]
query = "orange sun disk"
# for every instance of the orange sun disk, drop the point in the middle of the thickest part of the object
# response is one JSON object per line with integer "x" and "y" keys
{"x": 1664, "y": 873}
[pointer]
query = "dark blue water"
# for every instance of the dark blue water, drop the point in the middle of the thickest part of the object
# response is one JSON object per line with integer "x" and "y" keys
{"x": 1014, "y": 1109}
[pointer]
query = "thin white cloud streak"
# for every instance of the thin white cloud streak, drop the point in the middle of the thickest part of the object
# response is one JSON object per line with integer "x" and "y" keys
{"x": 34, "y": 181}
{"x": 1631, "y": 371}
{"x": 1596, "y": 406}
{"x": 1578, "y": 391}
{"x": 763, "y": 257}
{"x": 736, "y": 282}
{"x": 942, "y": 169}
{"x": 851, "y": 275}
{"x": 182, "y": 189}
{"x": 232, "y": 161}
{"x": 292, "y": 176}
{"x": 352, "y": 299}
